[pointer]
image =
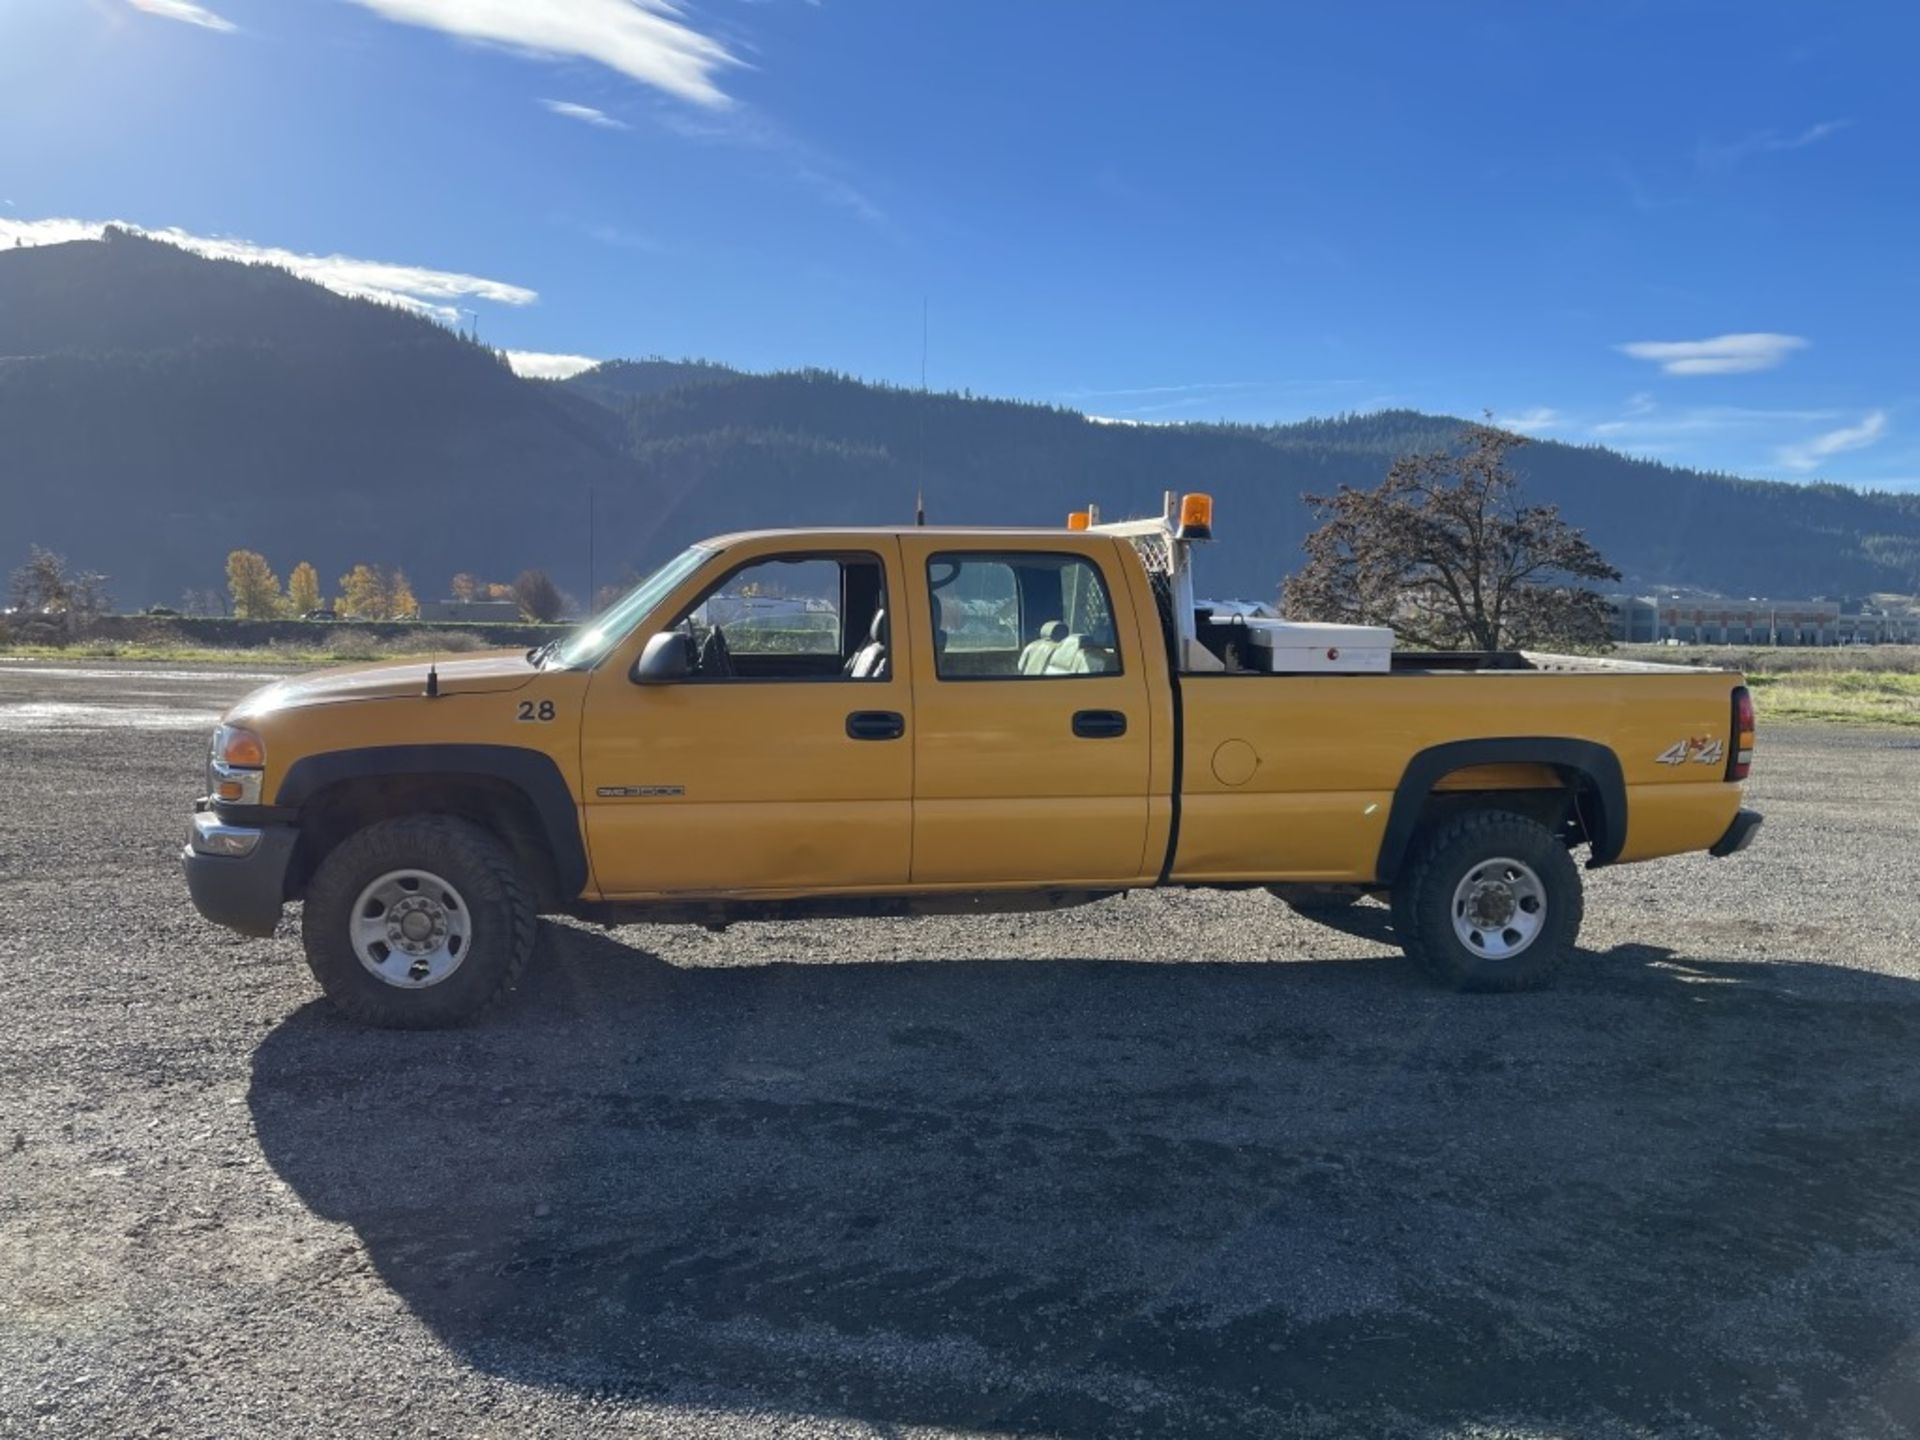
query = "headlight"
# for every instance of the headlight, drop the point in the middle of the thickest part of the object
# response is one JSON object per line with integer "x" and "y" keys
{"x": 234, "y": 767}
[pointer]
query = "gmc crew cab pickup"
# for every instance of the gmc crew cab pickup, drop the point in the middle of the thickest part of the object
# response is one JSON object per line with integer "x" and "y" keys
{"x": 902, "y": 721}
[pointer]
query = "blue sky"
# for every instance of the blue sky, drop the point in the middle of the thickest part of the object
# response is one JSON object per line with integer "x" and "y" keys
{"x": 1690, "y": 231}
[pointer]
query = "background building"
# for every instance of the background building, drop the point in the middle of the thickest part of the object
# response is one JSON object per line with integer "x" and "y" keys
{"x": 1716, "y": 620}
{"x": 491, "y": 612}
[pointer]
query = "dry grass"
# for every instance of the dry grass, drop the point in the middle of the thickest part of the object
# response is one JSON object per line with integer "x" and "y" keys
{"x": 1858, "y": 697}
{"x": 1786, "y": 659}
{"x": 1847, "y": 684}
{"x": 344, "y": 646}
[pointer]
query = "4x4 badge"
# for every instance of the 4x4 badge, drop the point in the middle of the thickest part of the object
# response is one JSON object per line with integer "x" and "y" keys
{"x": 1699, "y": 749}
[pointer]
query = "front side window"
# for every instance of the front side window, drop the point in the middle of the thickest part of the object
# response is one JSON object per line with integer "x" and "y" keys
{"x": 801, "y": 617}
{"x": 1020, "y": 616}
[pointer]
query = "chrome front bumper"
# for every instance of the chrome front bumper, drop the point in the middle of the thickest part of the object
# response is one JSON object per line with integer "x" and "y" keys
{"x": 237, "y": 874}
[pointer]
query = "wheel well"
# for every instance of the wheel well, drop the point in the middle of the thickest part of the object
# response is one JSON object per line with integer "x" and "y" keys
{"x": 333, "y": 813}
{"x": 1569, "y": 807}
{"x": 1573, "y": 787}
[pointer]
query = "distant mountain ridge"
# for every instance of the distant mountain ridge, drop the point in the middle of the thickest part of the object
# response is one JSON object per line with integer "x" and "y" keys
{"x": 158, "y": 409}
{"x": 759, "y": 439}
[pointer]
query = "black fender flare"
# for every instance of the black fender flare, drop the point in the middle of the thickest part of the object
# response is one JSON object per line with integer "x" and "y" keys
{"x": 532, "y": 772}
{"x": 1596, "y": 765}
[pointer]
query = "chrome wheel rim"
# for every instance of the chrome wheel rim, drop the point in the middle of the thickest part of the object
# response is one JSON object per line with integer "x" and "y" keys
{"x": 1499, "y": 908}
{"x": 411, "y": 929}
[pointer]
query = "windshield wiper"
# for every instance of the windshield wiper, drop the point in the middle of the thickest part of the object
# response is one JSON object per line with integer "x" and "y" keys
{"x": 537, "y": 654}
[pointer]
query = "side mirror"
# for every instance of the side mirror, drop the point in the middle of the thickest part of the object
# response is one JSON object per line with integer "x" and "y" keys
{"x": 667, "y": 658}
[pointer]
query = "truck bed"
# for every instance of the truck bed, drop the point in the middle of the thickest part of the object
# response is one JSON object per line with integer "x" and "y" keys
{"x": 1453, "y": 661}
{"x": 1300, "y": 775}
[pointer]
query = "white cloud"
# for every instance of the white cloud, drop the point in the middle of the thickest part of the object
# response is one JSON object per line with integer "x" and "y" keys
{"x": 584, "y": 113}
{"x": 412, "y": 287}
{"x": 187, "y": 13}
{"x": 1721, "y": 355}
{"x": 539, "y": 365}
{"x": 1808, "y": 454}
{"x": 1528, "y": 422}
{"x": 748, "y": 130}
{"x": 1702, "y": 421}
{"x": 646, "y": 40}
{"x": 1709, "y": 153}
{"x": 840, "y": 192}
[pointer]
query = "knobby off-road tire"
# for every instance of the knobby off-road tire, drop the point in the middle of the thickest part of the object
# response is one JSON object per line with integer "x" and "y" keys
{"x": 1489, "y": 901}
{"x": 418, "y": 923}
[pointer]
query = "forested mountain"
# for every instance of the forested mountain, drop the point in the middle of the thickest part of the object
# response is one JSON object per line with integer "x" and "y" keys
{"x": 158, "y": 409}
{"x": 614, "y": 382}
{"x": 813, "y": 447}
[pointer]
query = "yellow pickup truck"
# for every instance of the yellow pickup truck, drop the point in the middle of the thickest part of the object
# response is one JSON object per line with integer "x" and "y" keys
{"x": 904, "y": 721}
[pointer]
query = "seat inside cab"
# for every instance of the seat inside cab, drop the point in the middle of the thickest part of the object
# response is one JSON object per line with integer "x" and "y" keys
{"x": 1020, "y": 616}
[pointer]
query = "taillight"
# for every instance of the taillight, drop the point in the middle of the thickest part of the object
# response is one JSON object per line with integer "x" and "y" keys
{"x": 1740, "y": 756}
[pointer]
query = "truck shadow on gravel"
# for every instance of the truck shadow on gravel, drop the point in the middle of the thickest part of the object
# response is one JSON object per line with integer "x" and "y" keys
{"x": 1090, "y": 1199}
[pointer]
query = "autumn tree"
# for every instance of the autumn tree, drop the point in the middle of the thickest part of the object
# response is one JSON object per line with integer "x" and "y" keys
{"x": 373, "y": 592}
{"x": 303, "y": 589}
{"x": 1445, "y": 552}
{"x": 400, "y": 602}
{"x": 538, "y": 597}
{"x": 42, "y": 584}
{"x": 466, "y": 588}
{"x": 253, "y": 585}
{"x": 363, "y": 594}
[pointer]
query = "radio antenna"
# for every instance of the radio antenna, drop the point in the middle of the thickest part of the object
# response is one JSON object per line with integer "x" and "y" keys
{"x": 920, "y": 498}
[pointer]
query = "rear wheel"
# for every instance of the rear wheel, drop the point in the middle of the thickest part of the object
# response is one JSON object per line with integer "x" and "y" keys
{"x": 417, "y": 923}
{"x": 1489, "y": 901}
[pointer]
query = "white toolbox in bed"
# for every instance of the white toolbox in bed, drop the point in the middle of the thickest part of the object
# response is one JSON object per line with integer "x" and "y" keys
{"x": 1289, "y": 647}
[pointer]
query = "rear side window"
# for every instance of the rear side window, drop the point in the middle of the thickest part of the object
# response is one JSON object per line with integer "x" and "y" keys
{"x": 1020, "y": 615}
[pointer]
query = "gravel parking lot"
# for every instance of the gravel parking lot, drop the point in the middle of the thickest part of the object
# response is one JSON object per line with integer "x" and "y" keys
{"x": 1172, "y": 1164}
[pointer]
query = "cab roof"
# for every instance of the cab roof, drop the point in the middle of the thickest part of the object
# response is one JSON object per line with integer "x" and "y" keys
{"x": 826, "y": 532}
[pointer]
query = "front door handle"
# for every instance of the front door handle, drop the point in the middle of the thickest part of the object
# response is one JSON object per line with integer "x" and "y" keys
{"x": 1099, "y": 724}
{"x": 876, "y": 725}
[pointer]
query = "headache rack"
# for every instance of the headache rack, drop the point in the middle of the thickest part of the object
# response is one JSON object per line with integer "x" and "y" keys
{"x": 1203, "y": 641}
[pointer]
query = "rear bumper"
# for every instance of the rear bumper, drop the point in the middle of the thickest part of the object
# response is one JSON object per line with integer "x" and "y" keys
{"x": 237, "y": 874}
{"x": 1739, "y": 834}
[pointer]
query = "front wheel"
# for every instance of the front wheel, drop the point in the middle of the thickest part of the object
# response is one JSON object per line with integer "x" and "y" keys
{"x": 1489, "y": 901}
{"x": 417, "y": 923}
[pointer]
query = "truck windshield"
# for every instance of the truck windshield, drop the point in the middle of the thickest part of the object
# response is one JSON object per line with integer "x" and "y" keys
{"x": 589, "y": 644}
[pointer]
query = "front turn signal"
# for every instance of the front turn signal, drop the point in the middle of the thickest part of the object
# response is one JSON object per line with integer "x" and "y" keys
{"x": 238, "y": 747}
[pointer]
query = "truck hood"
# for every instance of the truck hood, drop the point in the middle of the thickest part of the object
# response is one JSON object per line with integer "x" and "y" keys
{"x": 493, "y": 672}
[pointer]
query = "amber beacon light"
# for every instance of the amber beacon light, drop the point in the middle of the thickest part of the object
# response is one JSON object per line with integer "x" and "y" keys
{"x": 1196, "y": 517}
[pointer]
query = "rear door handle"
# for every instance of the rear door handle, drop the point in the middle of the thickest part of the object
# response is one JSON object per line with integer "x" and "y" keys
{"x": 1099, "y": 724}
{"x": 876, "y": 725}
